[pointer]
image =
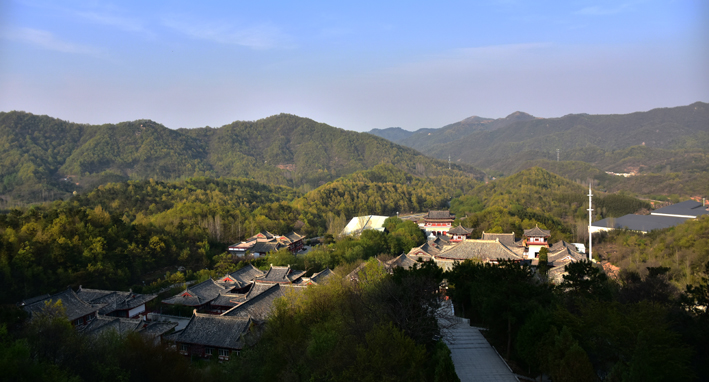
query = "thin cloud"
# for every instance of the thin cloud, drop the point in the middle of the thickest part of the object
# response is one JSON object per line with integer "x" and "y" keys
{"x": 46, "y": 40}
{"x": 108, "y": 19}
{"x": 603, "y": 11}
{"x": 262, "y": 36}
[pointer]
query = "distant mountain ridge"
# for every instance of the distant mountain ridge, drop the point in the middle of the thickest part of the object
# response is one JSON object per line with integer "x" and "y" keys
{"x": 43, "y": 156}
{"x": 488, "y": 143}
{"x": 423, "y": 138}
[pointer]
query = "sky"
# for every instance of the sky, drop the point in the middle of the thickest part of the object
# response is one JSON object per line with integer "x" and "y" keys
{"x": 354, "y": 65}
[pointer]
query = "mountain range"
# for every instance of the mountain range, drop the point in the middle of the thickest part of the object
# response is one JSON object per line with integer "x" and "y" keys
{"x": 44, "y": 158}
{"x": 664, "y": 142}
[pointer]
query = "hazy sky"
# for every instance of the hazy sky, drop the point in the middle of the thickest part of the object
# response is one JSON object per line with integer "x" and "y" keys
{"x": 357, "y": 65}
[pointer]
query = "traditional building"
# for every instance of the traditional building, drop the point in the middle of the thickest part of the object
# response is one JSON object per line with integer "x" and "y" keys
{"x": 281, "y": 275}
{"x": 208, "y": 335}
{"x": 241, "y": 280}
{"x": 78, "y": 311}
{"x": 535, "y": 239}
{"x": 437, "y": 223}
{"x": 459, "y": 233}
{"x": 117, "y": 303}
{"x": 487, "y": 251}
{"x": 508, "y": 239}
{"x": 260, "y": 306}
{"x": 265, "y": 242}
{"x": 199, "y": 296}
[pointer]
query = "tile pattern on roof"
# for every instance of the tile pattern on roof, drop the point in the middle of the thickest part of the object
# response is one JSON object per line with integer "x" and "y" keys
{"x": 507, "y": 239}
{"x": 460, "y": 230}
{"x": 486, "y": 250}
{"x": 74, "y": 306}
{"x": 214, "y": 331}
{"x": 199, "y": 294}
{"x": 260, "y": 306}
{"x": 114, "y": 300}
{"x": 536, "y": 231}
{"x": 439, "y": 215}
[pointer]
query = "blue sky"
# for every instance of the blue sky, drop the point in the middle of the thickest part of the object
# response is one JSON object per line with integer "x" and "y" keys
{"x": 355, "y": 65}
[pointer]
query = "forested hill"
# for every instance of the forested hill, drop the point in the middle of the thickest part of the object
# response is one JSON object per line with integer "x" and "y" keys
{"x": 44, "y": 158}
{"x": 685, "y": 127}
{"x": 422, "y": 139}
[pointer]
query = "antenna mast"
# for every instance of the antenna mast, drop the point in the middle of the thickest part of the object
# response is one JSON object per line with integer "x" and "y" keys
{"x": 557, "y": 155}
{"x": 590, "y": 219}
{"x": 449, "y": 161}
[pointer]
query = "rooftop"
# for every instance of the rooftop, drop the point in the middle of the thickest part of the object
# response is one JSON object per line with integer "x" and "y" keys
{"x": 74, "y": 306}
{"x": 214, "y": 331}
{"x": 114, "y": 300}
{"x": 642, "y": 223}
{"x": 439, "y": 215}
{"x": 460, "y": 230}
{"x": 482, "y": 249}
{"x": 507, "y": 239}
{"x": 536, "y": 231}
{"x": 688, "y": 208}
{"x": 259, "y": 307}
{"x": 199, "y": 294}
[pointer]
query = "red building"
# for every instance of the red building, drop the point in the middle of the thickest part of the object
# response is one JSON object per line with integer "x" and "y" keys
{"x": 437, "y": 222}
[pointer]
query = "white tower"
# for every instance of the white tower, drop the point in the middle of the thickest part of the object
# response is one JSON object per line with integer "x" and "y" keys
{"x": 590, "y": 219}
{"x": 449, "y": 162}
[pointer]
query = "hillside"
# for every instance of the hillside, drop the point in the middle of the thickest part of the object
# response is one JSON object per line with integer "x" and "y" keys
{"x": 44, "y": 158}
{"x": 684, "y": 127}
{"x": 423, "y": 138}
{"x": 670, "y": 144}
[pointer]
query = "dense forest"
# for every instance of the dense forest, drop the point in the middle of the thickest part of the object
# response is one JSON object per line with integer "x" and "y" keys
{"x": 44, "y": 158}
{"x": 638, "y": 327}
{"x": 115, "y": 235}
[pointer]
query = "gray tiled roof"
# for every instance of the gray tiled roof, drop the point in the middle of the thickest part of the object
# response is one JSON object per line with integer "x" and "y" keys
{"x": 214, "y": 331}
{"x": 439, "y": 215}
{"x": 460, "y": 230}
{"x": 35, "y": 299}
{"x": 321, "y": 276}
{"x": 199, "y": 294}
{"x": 243, "y": 276}
{"x": 114, "y": 300}
{"x": 257, "y": 288}
{"x": 121, "y": 326}
{"x": 481, "y": 249}
{"x": 157, "y": 328}
{"x": 442, "y": 240}
{"x": 507, "y": 239}
{"x": 293, "y": 237}
{"x": 229, "y": 299}
{"x": 686, "y": 208}
{"x": 644, "y": 223}
{"x": 278, "y": 274}
{"x": 427, "y": 248}
{"x": 265, "y": 247}
{"x": 536, "y": 231}
{"x": 402, "y": 261}
{"x": 74, "y": 306}
{"x": 260, "y": 307}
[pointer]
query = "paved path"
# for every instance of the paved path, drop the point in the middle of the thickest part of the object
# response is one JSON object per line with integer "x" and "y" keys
{"x": 473, "y": 357}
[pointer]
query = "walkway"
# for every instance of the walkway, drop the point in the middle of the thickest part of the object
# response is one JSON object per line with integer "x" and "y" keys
{"x": 473, "y": 357}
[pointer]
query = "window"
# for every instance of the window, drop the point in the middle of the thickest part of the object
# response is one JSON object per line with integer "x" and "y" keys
{"x": 184, "y": 348}
{"x": 208, "y": 351}
{"x": 223, "y": 352}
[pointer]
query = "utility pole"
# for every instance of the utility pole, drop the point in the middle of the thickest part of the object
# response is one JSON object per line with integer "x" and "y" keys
{"x": 557, "y": 155}
{"x": 590, "y": 219}
{"x": 449, "y": 161}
